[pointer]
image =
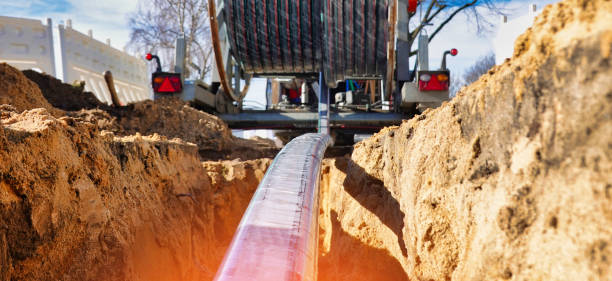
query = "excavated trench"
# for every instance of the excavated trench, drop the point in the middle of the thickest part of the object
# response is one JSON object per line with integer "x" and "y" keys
{"x": 508, "y": 181}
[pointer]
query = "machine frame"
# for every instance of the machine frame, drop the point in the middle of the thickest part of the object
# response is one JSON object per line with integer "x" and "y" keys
{"x": 400, "y": 96}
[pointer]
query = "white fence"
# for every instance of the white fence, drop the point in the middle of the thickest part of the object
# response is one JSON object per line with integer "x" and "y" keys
{"x": 85, "y": 59}
{"x": 28, "y": 44}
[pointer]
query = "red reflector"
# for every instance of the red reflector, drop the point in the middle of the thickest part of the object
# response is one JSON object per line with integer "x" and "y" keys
{"x": 164, "y": 82}
{"x": 166, "y": 87}
{"x": 149, "y": 56}
{"x": 454, "y": 52}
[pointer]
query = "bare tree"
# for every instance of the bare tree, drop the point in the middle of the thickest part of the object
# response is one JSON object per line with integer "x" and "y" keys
{"x": 157, "y": 24}
{"x": 480, "y": 67}
{"x": 438, "y": 13}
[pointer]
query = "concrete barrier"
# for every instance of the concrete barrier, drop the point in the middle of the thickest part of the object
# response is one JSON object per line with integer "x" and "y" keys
{"x": 85, "y": 58}
{"x": 27, "y": 44}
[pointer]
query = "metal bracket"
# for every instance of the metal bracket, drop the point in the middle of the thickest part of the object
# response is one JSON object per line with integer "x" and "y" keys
{"x": 323, "y": 106}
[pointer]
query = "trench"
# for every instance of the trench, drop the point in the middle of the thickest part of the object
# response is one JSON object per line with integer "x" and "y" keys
{"x": 508, "y": 181}
{"x": 360, "y": 226}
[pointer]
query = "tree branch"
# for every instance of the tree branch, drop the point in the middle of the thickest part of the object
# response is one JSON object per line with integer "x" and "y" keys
{"x": 436, "y": 13}
{"x": 424, "y": 20}
{"x": 452, "y": 15}
{"x": 433, "y": 3}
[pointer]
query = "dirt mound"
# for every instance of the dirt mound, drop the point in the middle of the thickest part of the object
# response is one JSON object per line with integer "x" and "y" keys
{"x": 243, "y": 148}
{"x": 63, "y": 96}
{"x": 80, "y": 204}
{"x": 20, "y": 92}
{"x": 99, "y": 118}
{"x": 508, "y": 181}
{"x": 174, "y": 118}
{"x": 169, "y": 117}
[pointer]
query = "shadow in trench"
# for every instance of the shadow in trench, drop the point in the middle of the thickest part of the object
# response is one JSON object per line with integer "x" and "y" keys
{"x": 372, "y": 194}
{"x": 350, "y": 259}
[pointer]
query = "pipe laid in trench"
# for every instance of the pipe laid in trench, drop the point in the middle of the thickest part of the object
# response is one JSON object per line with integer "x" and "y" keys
{"x": 278, "y": 235}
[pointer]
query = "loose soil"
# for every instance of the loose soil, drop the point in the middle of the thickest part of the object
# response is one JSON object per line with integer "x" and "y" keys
{"x": 169, "y": 116}
{"x": 18, "y": 91}
{"x": 511, "y": 180}
{"x": 104, "y": 193}
{"x": 64, "y": 96}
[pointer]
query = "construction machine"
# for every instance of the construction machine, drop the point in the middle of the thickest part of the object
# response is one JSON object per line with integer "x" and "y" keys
{"x": 332, "y": 65}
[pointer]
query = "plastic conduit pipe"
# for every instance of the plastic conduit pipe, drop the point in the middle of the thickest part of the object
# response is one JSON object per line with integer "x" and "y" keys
{"x": 277, "y": 237}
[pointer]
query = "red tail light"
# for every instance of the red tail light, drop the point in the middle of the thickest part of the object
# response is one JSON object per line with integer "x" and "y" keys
{"x": 149, "y": 56}
{"x": 167, "y": 82}
{"x": 433, "y": 80}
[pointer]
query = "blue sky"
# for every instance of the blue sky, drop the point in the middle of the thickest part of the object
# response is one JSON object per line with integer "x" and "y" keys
{"x": 461, "y": 33}
{"x": 109, "y": 18}
{"x": 38, "y": 7}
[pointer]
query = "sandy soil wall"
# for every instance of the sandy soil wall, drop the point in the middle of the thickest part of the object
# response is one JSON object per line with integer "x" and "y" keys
{"x": 79, "y": 204}
{"x": 106, "y": 193}
{"x": 511, "y": 180}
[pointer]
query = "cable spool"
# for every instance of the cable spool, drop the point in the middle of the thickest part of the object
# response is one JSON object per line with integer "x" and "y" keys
{"x": 341, "y": 38}
{"x": 274, "y": 36}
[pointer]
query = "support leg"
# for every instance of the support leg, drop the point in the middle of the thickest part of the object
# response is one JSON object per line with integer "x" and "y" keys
{"x": 323, "y": 106}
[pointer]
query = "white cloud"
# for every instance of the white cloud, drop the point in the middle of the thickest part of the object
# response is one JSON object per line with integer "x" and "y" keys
{"x": 107, "y": 19}
{"x": 15, "y": 5}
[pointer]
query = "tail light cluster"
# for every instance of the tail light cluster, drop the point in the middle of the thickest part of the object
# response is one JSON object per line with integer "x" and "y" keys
{"x": 164, "y": 82}
{"x": 434, "y": 80}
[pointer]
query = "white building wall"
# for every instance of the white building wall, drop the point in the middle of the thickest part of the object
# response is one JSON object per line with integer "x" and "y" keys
{"x": 27, "y": 44}
{"x": 86, "y": 59}
{"x": 509, "y": 31}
